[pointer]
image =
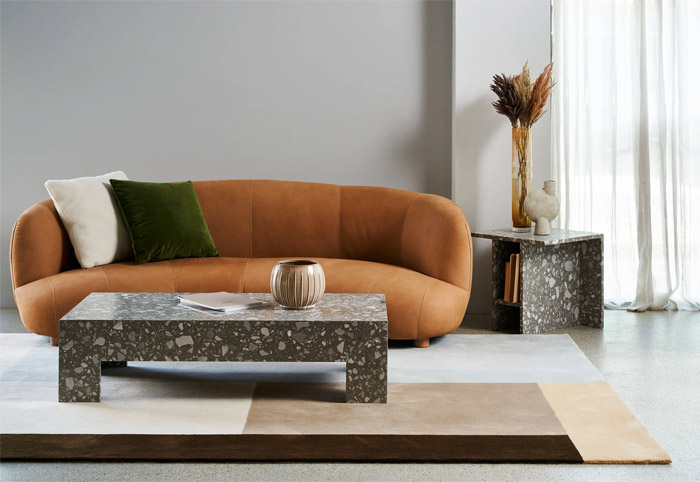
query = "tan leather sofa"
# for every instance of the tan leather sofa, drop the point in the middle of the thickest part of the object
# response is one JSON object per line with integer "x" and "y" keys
{"x": 414, "y": 248}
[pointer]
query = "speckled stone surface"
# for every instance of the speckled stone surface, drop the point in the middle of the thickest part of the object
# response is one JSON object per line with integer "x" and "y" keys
{"x": 557, "y": 236}
{"x": 118, "y": 327}
{"x": 561, "y": 280}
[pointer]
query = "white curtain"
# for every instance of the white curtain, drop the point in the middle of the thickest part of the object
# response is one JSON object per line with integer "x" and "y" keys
{"x": 626, "y": 142}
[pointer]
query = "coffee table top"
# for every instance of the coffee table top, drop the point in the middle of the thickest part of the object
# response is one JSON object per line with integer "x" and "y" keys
{"x": 338, "y": 307}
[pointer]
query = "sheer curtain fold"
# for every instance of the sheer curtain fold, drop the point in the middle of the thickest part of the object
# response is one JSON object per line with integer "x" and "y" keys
{"x": 626, "y": 142}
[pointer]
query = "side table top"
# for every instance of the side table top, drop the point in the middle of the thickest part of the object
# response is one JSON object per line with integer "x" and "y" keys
{"x": 557, "y": 236}
{"x": 338, "y": 307}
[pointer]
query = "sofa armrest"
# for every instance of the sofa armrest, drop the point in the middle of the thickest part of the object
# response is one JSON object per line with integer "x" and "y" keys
{"x": 40, "y": 246}
{"x": 436, "y": 240}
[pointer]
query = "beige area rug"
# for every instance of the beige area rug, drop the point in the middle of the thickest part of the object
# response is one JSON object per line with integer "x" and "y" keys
{"x": 467, "y": 398}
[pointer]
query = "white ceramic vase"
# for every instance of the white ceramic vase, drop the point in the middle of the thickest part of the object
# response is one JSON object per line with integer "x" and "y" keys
{"x": 542, "y": 206}
{"x": 297, "y": 284}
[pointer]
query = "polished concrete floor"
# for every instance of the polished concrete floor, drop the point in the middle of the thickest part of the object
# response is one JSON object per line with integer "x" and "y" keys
{"x": 651, "y": 359}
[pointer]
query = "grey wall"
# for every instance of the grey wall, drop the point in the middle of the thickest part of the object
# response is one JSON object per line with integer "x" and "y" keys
{"x": 339, "y": 92}
{"x": 493, "y": 37}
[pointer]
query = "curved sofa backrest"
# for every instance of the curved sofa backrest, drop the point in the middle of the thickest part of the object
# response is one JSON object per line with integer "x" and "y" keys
{"x": 261, "y": 219}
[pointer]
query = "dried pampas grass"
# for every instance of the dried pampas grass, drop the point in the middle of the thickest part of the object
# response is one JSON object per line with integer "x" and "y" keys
{"x": 520, "y": 99}
{"x": 540, "y": 95}
{"x": 508, "y": 103}
{"x": 523, "y": 85}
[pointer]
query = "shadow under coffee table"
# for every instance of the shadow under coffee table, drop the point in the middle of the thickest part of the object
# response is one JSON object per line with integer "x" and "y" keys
{"x": 120, "y": 327}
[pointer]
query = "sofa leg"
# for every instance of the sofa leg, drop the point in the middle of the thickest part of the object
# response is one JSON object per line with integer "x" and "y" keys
{"x": 421, "y": 342}
{"x": 54, "y": 340}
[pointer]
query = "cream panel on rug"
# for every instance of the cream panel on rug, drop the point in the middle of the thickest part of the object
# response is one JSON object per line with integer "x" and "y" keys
{"x": 601, "y": 426}
{"x": 138, "y": 407}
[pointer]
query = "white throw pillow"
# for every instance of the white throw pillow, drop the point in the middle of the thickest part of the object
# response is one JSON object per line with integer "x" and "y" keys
{"x": 90, "y": 214}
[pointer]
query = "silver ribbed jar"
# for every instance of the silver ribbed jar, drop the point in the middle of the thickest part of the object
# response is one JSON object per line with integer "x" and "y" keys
{"x": 297, "y": 284}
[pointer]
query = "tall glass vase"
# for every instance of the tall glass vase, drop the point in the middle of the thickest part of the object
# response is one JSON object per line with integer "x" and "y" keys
{"x": 522, "y": 176}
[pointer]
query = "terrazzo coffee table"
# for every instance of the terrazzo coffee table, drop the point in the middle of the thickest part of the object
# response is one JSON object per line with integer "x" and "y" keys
{"x": 121, "y": 327}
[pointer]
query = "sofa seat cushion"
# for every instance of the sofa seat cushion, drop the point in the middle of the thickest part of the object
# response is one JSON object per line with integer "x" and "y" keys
{"x": 418, "y": 306}
{"x": 178, "y": 275}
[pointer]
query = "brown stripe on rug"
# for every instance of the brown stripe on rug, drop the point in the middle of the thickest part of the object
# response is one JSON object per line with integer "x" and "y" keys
{"x": 379, "y": 448}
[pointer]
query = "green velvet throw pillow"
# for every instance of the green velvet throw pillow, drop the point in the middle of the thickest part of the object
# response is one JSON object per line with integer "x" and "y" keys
{"x": 164, "y": 220}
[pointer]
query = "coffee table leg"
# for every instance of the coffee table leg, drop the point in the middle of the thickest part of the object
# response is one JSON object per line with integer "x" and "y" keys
{"x": 78, "y": 375}
{"x": 366, "y": 376}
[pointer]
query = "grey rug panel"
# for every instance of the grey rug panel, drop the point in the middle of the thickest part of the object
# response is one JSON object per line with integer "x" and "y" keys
{"x": 494, "y": 359}
{"x": 15, "y": 347}
{"x": 452, "y": 358}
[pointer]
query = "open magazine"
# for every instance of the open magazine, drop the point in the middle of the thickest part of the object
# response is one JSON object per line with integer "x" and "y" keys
{"x": 220, "y": 301}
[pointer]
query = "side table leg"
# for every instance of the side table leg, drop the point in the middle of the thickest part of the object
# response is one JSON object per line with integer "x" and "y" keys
{"x": 366, "y": 374}
{"x": 592, "y": 283}
{"x": 503, "y": 318}
{"x": 551, "y": 278}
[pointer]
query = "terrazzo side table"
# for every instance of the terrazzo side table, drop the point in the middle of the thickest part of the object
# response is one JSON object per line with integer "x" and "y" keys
{"x": 561, "y": 280}
{"x": 119, "y": 327}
